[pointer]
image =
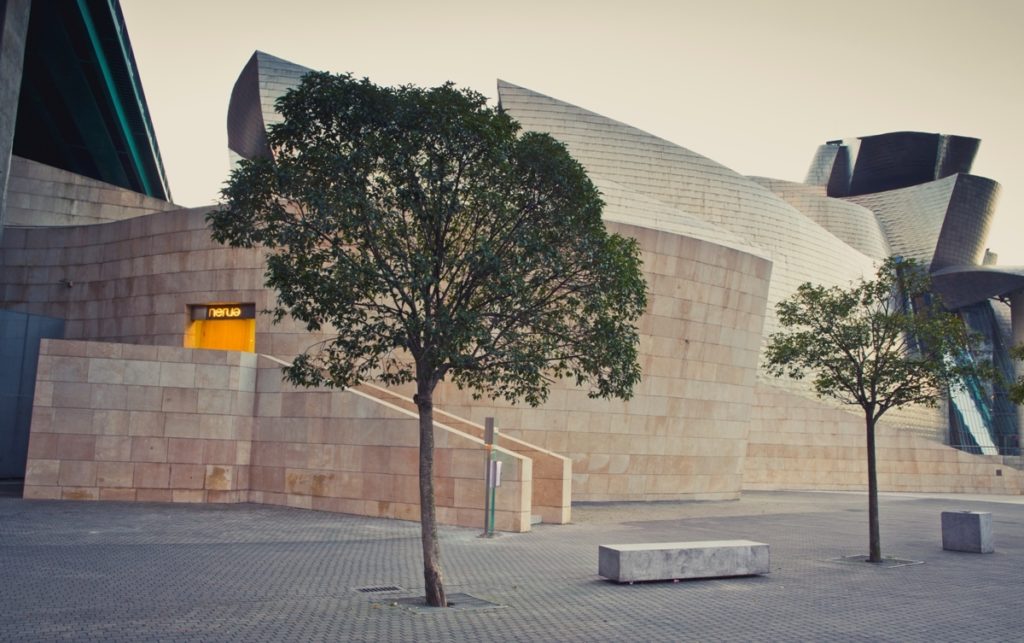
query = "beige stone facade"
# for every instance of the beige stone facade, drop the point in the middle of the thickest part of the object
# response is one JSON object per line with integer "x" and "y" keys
{"x": 148, "y": 423}
{"x": 124, "y": 412}
{"x": 798, "y": 443}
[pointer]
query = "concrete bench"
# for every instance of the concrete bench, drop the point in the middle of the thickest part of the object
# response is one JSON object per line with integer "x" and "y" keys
{"x": 967, "y": 531}
{"x": 672, "y": 561}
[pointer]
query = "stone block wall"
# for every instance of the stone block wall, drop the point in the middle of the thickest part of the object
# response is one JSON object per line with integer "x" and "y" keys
{"x": 132, "y": 281}
{"x": 147, "y": 423}
{"x": 348, "y": 451}
{"x": 153, "y": 423}
{"x": 797, "y": 443}
{"x": 552, "y": 473}
{"x": 683, "y": 434}
{"x": 42, "y": 195}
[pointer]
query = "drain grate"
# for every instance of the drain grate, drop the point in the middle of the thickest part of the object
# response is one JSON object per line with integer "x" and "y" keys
{"x": 378, "y": 589}
{"x": 887, "y": 563}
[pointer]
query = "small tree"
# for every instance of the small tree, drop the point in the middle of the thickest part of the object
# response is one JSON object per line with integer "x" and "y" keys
{"x": 430, "y": 240}
{"x": 1015, "y": 390}
{"x": 878, "y": 344}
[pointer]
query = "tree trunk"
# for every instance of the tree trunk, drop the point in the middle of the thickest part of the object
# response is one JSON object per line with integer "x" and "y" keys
{"x": 874, "y": 540}
{"x": 428, "y": 515}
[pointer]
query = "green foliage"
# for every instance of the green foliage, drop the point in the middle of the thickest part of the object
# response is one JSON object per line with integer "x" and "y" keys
{"x": 432, "y": 240}
{"x": 1015, "y": 390}
{"x": 867, "y": 345}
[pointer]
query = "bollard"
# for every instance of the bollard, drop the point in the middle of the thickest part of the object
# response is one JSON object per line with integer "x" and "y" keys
{"x": 492, "y": 475}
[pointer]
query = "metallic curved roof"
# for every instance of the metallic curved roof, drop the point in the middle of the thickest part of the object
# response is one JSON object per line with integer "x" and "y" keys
{"x": 263, "y": 80}
{"x": 940, "y": 223}
{"x": 857, "y": 226}
{"x": 965, "y": 285}
{"x": 902, "y": 159}
{"x": 698, "y": 188}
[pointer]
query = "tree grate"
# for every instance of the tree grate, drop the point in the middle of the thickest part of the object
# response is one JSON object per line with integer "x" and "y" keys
{"x": 456, "y": 603}
{"x": 376, "y": 589}
{"x": 887, "y": 563}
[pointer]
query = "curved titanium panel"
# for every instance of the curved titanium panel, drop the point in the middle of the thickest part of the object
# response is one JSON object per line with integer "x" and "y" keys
{"x": 911, "y": 217}
{"x": 263, "y": 80}
{"x": 801, "y": 249}
{"x": 247, "y": 134}
{"x": 854, "y": 224}
{"x": 968, "y": 219}
{"x": 622, "y": 205}
{"x": 940, "y": 223}
{"x": 956, "y": 155}
{"x": 903, "y": 159}
{"x": 962, "y": 286}
{"x": 831, "y": 168}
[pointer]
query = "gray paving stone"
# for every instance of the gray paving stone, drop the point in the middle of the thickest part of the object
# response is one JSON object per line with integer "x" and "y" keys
{"x": 149, "y": 572}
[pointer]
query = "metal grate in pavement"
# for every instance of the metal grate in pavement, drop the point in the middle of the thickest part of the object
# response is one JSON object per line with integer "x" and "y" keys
{"x": 887, "y": 563}
{"x": 377, "y": 589}
{"x": 456, "y": 603}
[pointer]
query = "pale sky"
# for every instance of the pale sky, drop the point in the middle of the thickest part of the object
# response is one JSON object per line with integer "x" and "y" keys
{"x": 756, "y": 85}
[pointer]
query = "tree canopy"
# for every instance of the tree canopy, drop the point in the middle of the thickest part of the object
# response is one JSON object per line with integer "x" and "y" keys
{"x": 878, "y": 344}
{"x": 426, "y": 238}
{"x": 419, "y": 222}
{"x": 1015, "y": 389}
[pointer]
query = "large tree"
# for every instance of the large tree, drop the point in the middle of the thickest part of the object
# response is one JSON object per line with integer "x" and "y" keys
{"x": 428, "y": 239}
{"x": 878, "y": 344}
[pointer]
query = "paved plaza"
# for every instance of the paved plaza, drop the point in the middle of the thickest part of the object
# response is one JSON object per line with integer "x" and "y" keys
{"x": 104, "y": 571}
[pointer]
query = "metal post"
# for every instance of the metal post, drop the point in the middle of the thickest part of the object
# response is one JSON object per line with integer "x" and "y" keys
{"x": 493, "y": 468}
{"x": 488, "y": 480}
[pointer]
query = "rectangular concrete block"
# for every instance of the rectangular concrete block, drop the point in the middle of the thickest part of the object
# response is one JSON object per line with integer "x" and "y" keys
{"x": 696, "y": 559}
{"x": 969, "y": 531}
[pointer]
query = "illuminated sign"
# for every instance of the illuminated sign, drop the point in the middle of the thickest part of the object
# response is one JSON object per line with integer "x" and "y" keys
{"x": 214, "y": 312}
{"x": 223, "y": 312}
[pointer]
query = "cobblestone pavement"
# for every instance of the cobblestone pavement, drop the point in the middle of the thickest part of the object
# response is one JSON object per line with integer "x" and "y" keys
{"x": 139, "y": 572}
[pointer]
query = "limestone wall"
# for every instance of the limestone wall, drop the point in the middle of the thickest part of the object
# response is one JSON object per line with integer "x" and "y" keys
{"x": 132, "y": 281}
{"x": 347, "y": 451}
{"x": 42, "y": 195}
{"x": 683, "y": 434}
{"x": 147, "y": 423}
{"x": 124, "y": 422}
{"x": 797, "y": 443}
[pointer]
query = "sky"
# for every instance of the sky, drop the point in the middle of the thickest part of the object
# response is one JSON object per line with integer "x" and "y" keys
{"x": 756, "y": 85}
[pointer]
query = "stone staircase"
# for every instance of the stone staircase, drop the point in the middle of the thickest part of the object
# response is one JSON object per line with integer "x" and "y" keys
{"x": 552, "y": 473}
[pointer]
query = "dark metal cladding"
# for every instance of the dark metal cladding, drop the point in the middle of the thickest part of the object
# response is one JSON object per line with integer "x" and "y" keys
{"x": 842, "y": 173}
{"x": 893, "y": 161}
{"x": 251, "y": 111}
{"x": 831, "y": 168}
{"x": 962, "y": 286}
{"x": 968, "y": 218}
{"x": 903, "y": 159}
{"x": 247, "y": 134}
{"x": 956, "y": 155}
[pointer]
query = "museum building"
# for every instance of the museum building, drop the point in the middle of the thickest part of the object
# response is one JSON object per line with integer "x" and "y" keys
{"x": 140, "y": 367}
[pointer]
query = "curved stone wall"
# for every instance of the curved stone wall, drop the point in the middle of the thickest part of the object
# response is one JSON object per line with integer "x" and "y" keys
{"x": 683, "y": 435}
{"x": 42, "y": 195}
{"x": 131, "y": 281}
